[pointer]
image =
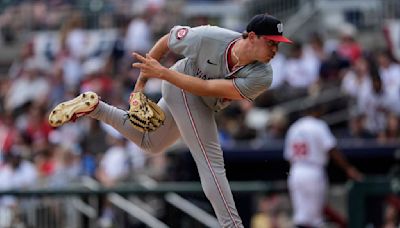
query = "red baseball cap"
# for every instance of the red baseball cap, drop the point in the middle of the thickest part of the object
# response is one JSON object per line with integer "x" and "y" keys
{"x": 268, "y": 27}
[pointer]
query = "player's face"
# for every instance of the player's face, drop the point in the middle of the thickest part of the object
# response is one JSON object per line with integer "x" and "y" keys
{"x": 265, "y": 49}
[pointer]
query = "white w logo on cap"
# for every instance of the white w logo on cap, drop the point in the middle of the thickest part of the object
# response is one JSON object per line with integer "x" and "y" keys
{"x": 280, "y": 27}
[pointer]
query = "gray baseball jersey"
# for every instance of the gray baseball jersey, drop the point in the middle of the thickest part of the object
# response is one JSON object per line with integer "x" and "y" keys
{"x": 206, "y": 50}
{"x": 192, "y": 117}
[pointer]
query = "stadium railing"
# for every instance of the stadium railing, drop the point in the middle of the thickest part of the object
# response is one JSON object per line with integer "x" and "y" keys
{"x": 78, "y": 205}
{"x": 367, "y": 200}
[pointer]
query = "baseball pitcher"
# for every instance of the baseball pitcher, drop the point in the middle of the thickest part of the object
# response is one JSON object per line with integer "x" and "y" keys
{"x": 220, "y": 65}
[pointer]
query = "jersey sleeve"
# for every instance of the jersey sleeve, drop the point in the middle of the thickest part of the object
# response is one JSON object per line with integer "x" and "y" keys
{"x": 287, "y": 149}
{"x": 328, "y": 140}
{"x": 184, "y": 40}
{"x": 253, "y": 81}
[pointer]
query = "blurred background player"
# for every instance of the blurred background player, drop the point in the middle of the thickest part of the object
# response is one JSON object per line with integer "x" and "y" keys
{"x": 309, "y": 144}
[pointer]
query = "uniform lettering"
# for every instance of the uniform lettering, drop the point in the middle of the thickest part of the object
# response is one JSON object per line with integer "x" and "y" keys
{"x": 201, "y": 75}
{"x": 300, "y": 150}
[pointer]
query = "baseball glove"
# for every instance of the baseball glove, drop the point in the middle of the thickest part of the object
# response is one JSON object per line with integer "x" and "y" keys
{"x": 144, "y": 114}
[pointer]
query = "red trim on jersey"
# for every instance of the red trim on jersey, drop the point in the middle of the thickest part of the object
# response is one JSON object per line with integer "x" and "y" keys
{"x": 228, "y": 53}
{"x": 241, "y": 94}
{"x": 229, "y": 57}
{"x": 229, "y": 65}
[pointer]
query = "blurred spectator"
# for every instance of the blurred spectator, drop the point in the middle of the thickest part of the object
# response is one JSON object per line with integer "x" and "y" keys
{"x": 39, "y": 14}
{"x": 45, "y": 164}
{"x": 391, "y": 213}
{"x": 72, "y": 50}
{"x": 314, "y": 52}
{"x": 94, "y": 145}
{"x": 357, "y": 79}
{"x": 301, "y": 69}
{"x": 31, "y": 86}
{"x": 22, "y": 142}
{"x": 8, "y": 25}
{"x": 113, "y": 168}
{"x": 94, "y": 141}
{"x": 35, "y": 124}
{"x": 316, "y": 47}
{"x": 225, "y": 130}
{"x": 88, "y": 164}
{"x": 138, "y": 36}
{"x": 355, "y": 82}
{"x": 25, "y": 54}
{"x": 392, "y": 133}
{"x": 15, "y": 173}
{"x": 233, "y": 125}
{"x": 333, "y": 68}
{"x": 138, "y": 161}
{"x": 153, "y": 6}
{"x": 119, "y": 55}
{"x": 19, "y": 172}
{"x": 277, "y": 124}
{"x": 356, "y": 126}
{"x": 58, "y": 87}
{"x": 199, "y": 20}
{"x": 70, "y": 136}
{"x": 8, "y": 132}
{"x": 96, "y": 78}
{"x": 278, "y": 91}
{"x": 278, "y": 66}
{"x": 374, "y": 105}
{"x": 72, "y": 36}
{"x": 348, "y": 46}
{"x": 66, "y": 167}
{"x": 264, "y": 217}
{"x": 271, "y": 212}
{"x": 270, "y": 125}
{"x": 389, "y": 71}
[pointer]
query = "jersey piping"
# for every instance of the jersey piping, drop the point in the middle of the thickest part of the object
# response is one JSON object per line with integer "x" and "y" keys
{"x": 206, "y": 157}
{"x": 230, "y": 73}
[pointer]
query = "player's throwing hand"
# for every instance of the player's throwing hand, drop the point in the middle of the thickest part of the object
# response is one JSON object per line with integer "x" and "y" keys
{"x": 149, "y": 67}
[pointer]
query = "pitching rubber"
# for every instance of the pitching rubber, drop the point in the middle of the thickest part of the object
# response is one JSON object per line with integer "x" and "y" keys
{"x": 72, "y": 109}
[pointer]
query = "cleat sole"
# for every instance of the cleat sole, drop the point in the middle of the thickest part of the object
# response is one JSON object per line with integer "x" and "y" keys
{"x": 79, "y": 106}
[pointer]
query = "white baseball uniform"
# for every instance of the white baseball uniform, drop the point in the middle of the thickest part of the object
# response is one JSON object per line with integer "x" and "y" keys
{"x": 307, "y": 144}
{"x": 191, "y": 117}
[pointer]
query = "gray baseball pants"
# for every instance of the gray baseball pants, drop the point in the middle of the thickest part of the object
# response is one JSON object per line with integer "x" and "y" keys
{"x": 188, "y": 117}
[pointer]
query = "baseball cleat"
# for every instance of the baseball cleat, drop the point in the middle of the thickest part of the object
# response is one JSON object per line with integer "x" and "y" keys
{"x": 73, "y": 109}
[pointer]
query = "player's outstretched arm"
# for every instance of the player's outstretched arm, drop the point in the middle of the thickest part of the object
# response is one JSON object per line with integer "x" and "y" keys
{"x": 157, "y": 52}
{"x": 151, "y": 68}
{"x": 341, "y": 160}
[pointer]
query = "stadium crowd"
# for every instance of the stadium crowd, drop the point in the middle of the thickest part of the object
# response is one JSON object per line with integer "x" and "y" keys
{"x": 34, "y": 154}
